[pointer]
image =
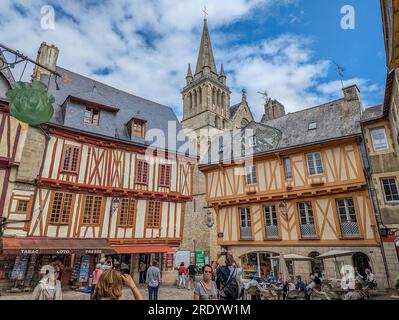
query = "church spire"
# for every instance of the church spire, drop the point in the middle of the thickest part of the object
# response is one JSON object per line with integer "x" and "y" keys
{"x": 189, "y": 76}
{"x": 222, "y": 76}
{"x": 205, "y": 55}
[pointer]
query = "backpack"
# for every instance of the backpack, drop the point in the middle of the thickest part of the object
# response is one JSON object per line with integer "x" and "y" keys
{"x": 227, "y": 283}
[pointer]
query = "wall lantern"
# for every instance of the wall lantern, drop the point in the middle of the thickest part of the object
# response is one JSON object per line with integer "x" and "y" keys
{"x": 115, "y": 204}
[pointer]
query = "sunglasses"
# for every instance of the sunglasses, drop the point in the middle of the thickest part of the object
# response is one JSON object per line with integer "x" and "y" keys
{"x": 207, "y": 271}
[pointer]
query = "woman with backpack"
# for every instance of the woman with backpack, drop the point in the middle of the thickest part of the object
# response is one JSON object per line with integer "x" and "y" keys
{"x": 228, "y": 277}
{"x": 206, "y": 288}
{"x": 182, "y": 275}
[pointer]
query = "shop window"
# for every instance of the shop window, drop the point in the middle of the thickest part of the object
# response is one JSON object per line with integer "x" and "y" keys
{"x": 379, "y": 138}
{"x": 91, "y": 116}
{"x": 164, "y": 175}
{"x": 92, "y": 210}
{"x": 250, "y": 172}
{"x": 127, "y": 212}
{"x": 70, "y": 159}
{"x": 142, "y": 172}
{"x": 390, "y": 187}
{"x": 315, "y": 165}
{"x": 153, "y": 214}
{"x": 61, "y": 208}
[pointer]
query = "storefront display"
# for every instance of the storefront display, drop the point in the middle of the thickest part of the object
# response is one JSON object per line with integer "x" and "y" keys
{"x": 84, "y": 270}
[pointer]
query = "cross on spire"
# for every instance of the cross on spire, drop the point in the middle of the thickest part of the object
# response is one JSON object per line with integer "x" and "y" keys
{"x": 205, "y": 12}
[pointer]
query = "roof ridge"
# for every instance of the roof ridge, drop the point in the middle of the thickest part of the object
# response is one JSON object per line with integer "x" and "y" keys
{"x": 114, "y": 88}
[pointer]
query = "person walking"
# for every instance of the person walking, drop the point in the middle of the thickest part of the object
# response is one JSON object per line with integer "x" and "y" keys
{"x": 182, "y": 275}
{"x": 371, "y": 281}
{"x": 206, "y": 289}
{"x": 143, "y": 272}
{"x": 228, "y": 277}
{"x": 153, "y": 280}
{"x": 96, "y": 276}
{"x": 110, "y": 285}
{"x": 192, "y": 271}
{"x": 48, "y": 288}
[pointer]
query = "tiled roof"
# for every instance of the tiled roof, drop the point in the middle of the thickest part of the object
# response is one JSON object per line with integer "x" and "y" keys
{"x": 372, "y": 113}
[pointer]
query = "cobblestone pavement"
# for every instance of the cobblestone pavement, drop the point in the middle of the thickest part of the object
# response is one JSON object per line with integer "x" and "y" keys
{"x": 165, "y": 293}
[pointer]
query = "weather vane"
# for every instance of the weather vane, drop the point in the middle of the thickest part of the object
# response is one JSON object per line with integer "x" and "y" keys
{"x": 340, "y": 71}
{"x": 205, "y": 12}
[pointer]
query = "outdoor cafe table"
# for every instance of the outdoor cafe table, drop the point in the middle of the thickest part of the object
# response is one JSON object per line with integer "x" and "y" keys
{"x": 278, "y": 291}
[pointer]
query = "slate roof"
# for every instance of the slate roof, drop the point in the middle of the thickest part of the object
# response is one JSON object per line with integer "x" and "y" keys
{"x": 233, "y": 109}
{"x": 333, "y": 120}
{"x": 130, "y": 106}
{"x": 372, "y": 113}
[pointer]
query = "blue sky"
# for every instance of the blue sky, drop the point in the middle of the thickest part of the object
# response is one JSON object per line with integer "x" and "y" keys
{"x": 285, "y": 47}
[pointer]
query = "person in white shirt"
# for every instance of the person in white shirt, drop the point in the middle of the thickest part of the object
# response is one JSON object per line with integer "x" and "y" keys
{"x": 371, "y": 280}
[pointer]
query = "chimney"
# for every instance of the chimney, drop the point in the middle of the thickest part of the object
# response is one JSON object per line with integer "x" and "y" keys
{"x": 273, "y": 110}
{"x": 46, "y": 56}
{"x": 351, "y": 93}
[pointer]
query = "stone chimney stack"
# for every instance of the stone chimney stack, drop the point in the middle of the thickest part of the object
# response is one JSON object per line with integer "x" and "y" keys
{"x": 273, "y": 110}
{"x": 351, "y": 93}
{"x": 46, "y": 56}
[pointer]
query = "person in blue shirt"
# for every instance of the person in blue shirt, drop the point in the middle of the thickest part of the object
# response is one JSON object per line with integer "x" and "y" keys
{"x": 299, "y": 284}
{"x": 270, "y": 278}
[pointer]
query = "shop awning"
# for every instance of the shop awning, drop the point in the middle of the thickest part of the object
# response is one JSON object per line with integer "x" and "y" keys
{"x": 142, "y": 249}
{"x": 44, "y": 245}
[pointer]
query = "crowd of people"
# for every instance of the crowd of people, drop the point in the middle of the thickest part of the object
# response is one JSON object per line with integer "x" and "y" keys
{"x": 219, "y": 281}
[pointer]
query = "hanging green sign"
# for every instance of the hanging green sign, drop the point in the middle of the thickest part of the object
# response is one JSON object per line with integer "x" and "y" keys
{"x": 200, "y": 258}
{"x": 30, "y": 102}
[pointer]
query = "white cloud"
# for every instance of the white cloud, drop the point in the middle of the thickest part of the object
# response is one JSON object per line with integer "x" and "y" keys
{"x": 147, "y": 45}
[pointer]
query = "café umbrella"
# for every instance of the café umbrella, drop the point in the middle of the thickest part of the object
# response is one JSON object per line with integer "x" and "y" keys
{"x": 334, "y": 254}
{"x": 294, "y": 257}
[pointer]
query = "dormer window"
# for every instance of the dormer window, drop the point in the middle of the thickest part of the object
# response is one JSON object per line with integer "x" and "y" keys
{"x": 138, "y": 128}
{"x": 91, "y": 116}
{"x": 312, "y": 126}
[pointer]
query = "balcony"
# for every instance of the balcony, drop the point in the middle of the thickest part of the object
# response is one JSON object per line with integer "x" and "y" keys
{"x": 246, "y": 233}
{"x": 350, "y": 230}
{"x": 308, "y": 231}
{"x": 271, "y": 232}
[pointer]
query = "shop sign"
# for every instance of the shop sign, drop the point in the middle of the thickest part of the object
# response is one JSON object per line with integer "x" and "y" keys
{"x": 63, "y": 251}
{"x": 169, "y": 261}
{"x": 94, "y": 251}
{"x": 200, "y": 258}
{"x": 29, "y": 251}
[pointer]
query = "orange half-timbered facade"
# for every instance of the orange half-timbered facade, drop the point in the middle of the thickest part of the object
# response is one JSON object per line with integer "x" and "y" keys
{"x": 304, "y": 192}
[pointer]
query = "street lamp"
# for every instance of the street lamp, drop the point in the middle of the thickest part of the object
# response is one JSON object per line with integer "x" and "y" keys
{"x": 283, "y": 209}
{"x": 209, "y": 219}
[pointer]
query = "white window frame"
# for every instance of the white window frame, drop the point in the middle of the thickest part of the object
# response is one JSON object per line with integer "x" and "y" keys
{"x": 247, "y": 217}
{"x": 346, "y": 208}
{"x": 383, "y": 189}
{"x": 314, "y": 161}
{"x": 250, "y": 171}
{"x": 269, "y": 211}
{"x": 307, "y": 211}
{"x": 378, "y": 147}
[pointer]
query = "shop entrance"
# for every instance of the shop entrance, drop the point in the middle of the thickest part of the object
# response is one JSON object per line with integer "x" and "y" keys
{"x": 259, "y": 264}
{"x": 148, "y": 258}
{"x": 361, "y": 263}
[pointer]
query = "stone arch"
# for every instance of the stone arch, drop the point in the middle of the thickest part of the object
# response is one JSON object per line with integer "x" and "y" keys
{"x": 213, "y": 97}
{"x": 244, "y": 122}
{"x": 190, "y": 99}
{"x": 195, "y": 98}
{"x": 361, "y": 261}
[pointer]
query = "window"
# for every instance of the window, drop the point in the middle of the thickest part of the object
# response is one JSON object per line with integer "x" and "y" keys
{"x": 347, "y": 217}
{"x": 315, "y": 165}
{"x": 308, "y": 229}
{"x": 271, "y": 222}
{"x": 250, "y": 172}
{"x": 390, "y": 188}
{"x": 142, "y": 172}
{"x": 138, "y": 128}
{"x": 70, "y": 158}
{"x": 312, "y": 126}
{"x": 91, "y": 116}
{"x": 252, "y": 141}
{"x": 22, "y": 206}
{"x": 153, "y": 214}
{"x": 245, "y": 224}
{"x": 92, "y": 210}
{"x": 164, "y": 175}
{"x": 61, "y": 208}
{"x": 379, "y": 138}
{"x": 287, "y": 168}
{"x": 127, "y": 213}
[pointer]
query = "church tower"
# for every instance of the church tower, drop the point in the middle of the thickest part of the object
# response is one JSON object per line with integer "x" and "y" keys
{"x": 206, "y": 97}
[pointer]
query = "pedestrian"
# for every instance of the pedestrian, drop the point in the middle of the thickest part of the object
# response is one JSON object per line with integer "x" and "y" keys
{"x": 371, "y": 281}
{"x": 110, "y": 285}
{"x": 182, "y": 275}
{"x": 153, "y": 280}
{"x": 314, "y": 283}
{"x": 192, "y": 271}
{"x": 48, "y": 288}
{"x": 206, "y": 289}
{"x": 357, "y": 294}
{"x": 106, "y": 263}
{"x": 96, "y": 276}
{"x": 228, "y": 277}
{"x": 142, "y": 272}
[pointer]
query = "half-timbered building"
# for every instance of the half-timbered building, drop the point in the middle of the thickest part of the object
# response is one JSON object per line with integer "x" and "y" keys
{"x": 303, "y": 192}
{"x": 106, "y": 183}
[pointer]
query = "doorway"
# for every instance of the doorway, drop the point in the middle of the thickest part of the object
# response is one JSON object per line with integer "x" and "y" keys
{"x": 361, "y": 262}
